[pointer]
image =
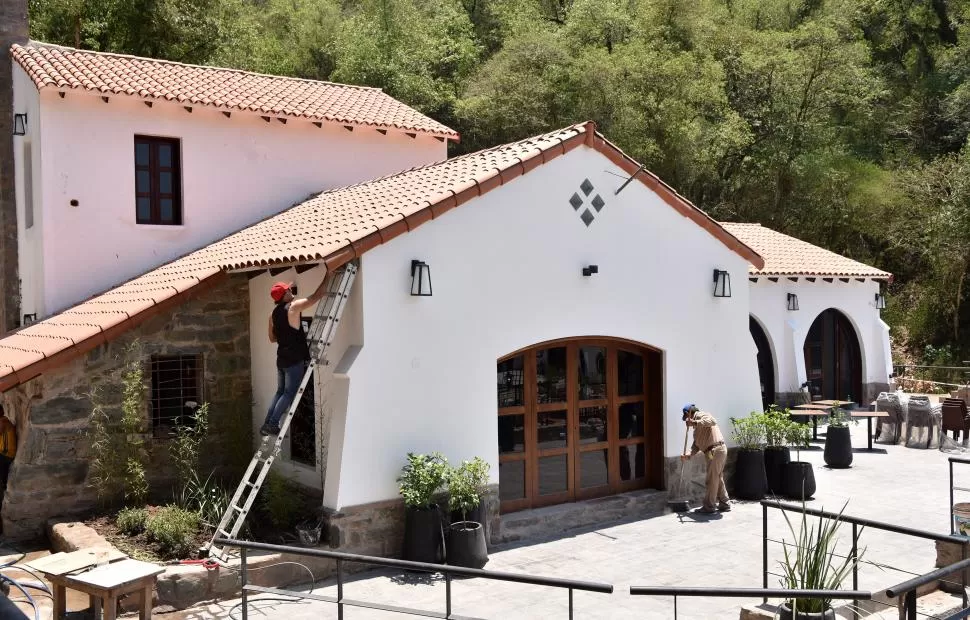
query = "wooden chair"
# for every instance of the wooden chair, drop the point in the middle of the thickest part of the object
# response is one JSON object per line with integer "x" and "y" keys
{"x": 956, "y": 418}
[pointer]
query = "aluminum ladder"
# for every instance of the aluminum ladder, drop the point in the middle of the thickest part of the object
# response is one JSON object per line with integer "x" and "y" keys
{"x": 323, "y": 328}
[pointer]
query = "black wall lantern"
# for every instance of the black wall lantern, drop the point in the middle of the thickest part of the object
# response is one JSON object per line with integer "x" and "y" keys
{"x": 588, "y": 271}
{"x": 792, "y": 302}
{"x": 880, "y": 301}
{"x": 20, "y": 124}
{"x": 722, "y": 283}
{"x": 420, "y": 279}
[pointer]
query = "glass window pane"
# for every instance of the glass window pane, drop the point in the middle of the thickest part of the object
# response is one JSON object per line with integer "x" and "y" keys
{"x": 551, "y": 375}
{"x": 143, "y": 181}
{"x": 511, "y": 433}
{"x": 593, "y": 469}
{"x": 631, "y": 420}
{"x": 167, "y": 211}
{"x": 143, "y": 209}
{"x": 553, "y": 477}
{"x": 141, "y": 154}
{"x": 511, "y": 382}
{"x": 592, "y": 373}
{"x": 632, "y": 459}
{"x": 551, "y": 430}
{"x": 511, "y": 480}
{"x": 165, "y": 155}
{"x": 629, "y": 367}
{"x": 592, "y": 424}
{"x": 165, "y": 182}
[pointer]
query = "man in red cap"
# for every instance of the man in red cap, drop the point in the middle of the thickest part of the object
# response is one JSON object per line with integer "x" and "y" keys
{"x": 292, "y": 350}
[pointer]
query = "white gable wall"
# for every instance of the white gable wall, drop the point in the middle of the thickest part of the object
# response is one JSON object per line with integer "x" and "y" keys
{"x": 506, "y": 271}
{"x": 787, "y": 330}
{"x": 30, "y": 247}
{"x": 235, "y": 172}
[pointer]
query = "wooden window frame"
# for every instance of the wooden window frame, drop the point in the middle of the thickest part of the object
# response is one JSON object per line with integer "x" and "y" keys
{"x": 154, "y": 170}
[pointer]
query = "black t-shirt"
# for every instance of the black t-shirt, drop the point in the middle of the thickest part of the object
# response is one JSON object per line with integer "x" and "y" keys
{"x": 291, "y": 343}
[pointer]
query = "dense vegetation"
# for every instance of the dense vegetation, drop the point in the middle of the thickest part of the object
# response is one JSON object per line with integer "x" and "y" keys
{"x": 843, "y": 122}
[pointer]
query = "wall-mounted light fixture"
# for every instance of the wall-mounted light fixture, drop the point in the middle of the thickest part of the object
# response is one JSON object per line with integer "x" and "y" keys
{"x": 420, "y": 279}
{"x": 722, "y": 283}
{"x": 590, "y": 270}
{"x": 880, "y": 301}
{"x": 30, "y": 319}
{"x": 792, "y": 302}
{"x": 20, "y": 124}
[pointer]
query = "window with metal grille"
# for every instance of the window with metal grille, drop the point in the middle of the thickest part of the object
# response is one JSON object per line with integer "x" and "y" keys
{"x": 176, "y": 389}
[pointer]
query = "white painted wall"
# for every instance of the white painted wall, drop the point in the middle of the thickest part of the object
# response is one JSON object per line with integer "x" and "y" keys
{"x": 787, "y": 330}
{"x": 30, "y": 247}
{"x": 235, "y": 171}
{"x": 506, "y": 270}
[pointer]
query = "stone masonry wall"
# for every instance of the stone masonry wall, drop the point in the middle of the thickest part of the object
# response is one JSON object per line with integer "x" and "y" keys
{"x": 49, "y": 476}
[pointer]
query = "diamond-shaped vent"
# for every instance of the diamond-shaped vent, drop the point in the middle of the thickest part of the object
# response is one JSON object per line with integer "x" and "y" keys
{"x": 586, "y": 186}
{"x": 587, "y": 217}
{"x": 576, "y": 201}
{"x": 598, "y": 203}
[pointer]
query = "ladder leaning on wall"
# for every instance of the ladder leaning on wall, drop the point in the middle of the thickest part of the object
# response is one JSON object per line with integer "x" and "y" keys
{"x": 323, "y": 328}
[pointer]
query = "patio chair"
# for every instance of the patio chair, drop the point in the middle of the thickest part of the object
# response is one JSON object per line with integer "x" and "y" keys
{"x": 920, "y": 416}
{"x": 956, "y": 418}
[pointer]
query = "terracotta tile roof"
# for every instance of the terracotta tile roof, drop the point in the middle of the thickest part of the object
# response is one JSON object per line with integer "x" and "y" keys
{"x": 788, "y": 256}
{"x": 332, "y": 228}
{"x": 65, "y": 68}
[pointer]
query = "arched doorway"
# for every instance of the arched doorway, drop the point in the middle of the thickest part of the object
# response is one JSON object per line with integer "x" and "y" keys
{"x": 578, "y": 418}
{"x": 833, "y": 358}
{"x": 766, "y": 363}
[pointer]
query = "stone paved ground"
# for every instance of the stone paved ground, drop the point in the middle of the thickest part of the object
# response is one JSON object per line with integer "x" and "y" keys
{"x": 894, "y": 484}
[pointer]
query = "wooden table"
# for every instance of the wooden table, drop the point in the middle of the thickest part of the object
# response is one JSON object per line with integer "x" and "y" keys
{"x": 869, "y": 415}
{"x": 834, "y": 403}
{"x": 815, "y": 411}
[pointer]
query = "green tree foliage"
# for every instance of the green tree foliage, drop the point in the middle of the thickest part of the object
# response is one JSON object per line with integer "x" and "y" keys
{"x": 842, "y": 122}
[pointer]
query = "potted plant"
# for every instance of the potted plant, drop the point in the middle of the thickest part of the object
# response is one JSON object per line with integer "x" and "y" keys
{"x": 466, "y": 539}
{"x": 811, "y": 563}
{"x": 749, "y": 474}
{"x": 799, "y": 477}
{"x": 422, "y": 476}
{"x": 777, "y": 454}
{"x": 838, "y": 440}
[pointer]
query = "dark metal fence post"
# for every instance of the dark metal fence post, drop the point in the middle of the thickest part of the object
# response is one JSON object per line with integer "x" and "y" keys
{"x": 448, "y": 595}
{"x": 910, "y": 605}
{"x": 963, "y": 574}
{"x": 855, "y": 565}
{"x": 764, "y": 550}
{"x": 950, "y": 508}
{"x": 675, "y": 607}
{"x": 242, "y": 578}
{"x": 340, "y": 590}
{"x": 570, "y": 604}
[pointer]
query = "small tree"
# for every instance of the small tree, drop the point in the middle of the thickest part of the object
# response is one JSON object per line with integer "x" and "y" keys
{"x": 133, "y": 415}
{"x": 422, "y": 476}
{"x": 798, "y": 436}
{"x": 467, "y": 484}
{"x": 106, "y": 468}
{"x": 749, "y": 432}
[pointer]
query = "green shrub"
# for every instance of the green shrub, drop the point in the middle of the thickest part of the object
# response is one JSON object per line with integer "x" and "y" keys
{"x": 467, "y": 484}
{"x": 749, "y": 432}
{"x": 131, "y": 521}
{"x": 421, "y": 478}
{"x": 281, "y": 501}
{"x": 174, "y": 530}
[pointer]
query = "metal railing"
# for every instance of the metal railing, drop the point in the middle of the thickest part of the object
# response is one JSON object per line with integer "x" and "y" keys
{"x": 448, "y": 571}
{"x": 962, "y": 461}
{"x": 856, "y": 523}
{"x": 907, "y": 590}
{"x": 766, "y": 593}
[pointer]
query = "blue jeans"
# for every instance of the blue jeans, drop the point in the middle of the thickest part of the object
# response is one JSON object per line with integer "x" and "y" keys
{"x": 288, "y": 382}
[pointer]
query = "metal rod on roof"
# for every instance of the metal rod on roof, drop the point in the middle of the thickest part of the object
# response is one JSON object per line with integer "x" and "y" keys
{"x": 633, "y": 176}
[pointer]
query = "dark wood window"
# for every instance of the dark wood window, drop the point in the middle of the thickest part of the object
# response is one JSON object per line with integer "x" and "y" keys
{"x": 578, "y": 419}
{"x": 303, "y": 426}
{"x": 176, "y": 389}
{"x": 158, "y": 181}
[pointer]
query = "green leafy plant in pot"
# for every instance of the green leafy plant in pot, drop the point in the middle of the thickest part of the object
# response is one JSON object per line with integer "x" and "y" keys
{"x": 838, "y": 440}
{"x": 421, "y": 478}
{"x": 799, "y": 477}
{"x": 777, "y": 454}
{"x": 467, "y": 485}
{"x": 749, "y": 473}
{"x": 811, "y": 562}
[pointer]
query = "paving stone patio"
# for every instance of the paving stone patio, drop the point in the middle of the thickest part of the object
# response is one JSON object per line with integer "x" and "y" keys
{"x": 895, "y": 484}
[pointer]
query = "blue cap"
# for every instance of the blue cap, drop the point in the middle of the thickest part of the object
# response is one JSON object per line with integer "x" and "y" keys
{"x": 689, "y": 406}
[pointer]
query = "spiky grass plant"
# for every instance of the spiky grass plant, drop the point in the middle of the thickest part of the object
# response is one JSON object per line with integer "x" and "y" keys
{"x": 813, "y": 563}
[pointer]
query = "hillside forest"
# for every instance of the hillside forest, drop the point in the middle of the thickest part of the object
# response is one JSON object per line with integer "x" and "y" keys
{"x": 842, "y": 122}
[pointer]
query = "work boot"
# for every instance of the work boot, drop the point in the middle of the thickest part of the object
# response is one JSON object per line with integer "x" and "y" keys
{"x": 266, "y": 430}
{"x": 724, "y": 507}
{"x": 706, "y": 511}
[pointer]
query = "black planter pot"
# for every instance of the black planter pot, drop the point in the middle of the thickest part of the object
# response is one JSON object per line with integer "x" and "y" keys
{"x": 785, "y": 613}
{"x": 775, "y": 461}
{"x": 466, "y": 545}
{"x": 423, "y": 534}
{"x": 749, "y": 475}
{"x": 799, "y": 476}
{"x": 838, "y": 447}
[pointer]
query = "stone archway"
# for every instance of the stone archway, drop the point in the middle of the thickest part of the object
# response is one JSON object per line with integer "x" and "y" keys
{"x": 833, "y": 358}
{"x": 766, "y": 362}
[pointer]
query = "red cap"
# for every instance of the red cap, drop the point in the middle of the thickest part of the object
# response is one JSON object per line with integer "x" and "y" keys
{"x": 279, "y": 291}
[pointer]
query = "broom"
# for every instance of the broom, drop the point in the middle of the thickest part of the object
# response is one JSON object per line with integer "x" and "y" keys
{"x": 681, "y": 505}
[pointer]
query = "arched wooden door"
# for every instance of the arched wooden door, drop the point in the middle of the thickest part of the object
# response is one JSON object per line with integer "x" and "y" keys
{"x": 766, "y": 363}
{"x": 577, "y": 419}
{"x": 833, "y": 358}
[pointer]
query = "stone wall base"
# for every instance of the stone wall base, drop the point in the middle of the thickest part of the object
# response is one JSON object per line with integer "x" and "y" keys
{"x": 951, "y": 553}
{"x": 691, "y": 484}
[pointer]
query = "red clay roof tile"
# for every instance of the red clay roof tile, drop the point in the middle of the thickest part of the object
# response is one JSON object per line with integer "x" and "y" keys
{"x": 51, "y": 66}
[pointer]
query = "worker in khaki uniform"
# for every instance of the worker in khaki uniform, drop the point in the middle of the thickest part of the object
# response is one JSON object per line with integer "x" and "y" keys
{"x": 8, "y": 450}
{"x": 708, "y": 439}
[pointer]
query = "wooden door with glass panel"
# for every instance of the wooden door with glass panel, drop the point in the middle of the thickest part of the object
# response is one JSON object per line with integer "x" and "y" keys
{"x": 577, "y": 419}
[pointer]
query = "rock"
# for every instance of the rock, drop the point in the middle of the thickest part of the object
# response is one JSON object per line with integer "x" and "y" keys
{"x": 759, "y": 612}
{"x": 71, "y": 536}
